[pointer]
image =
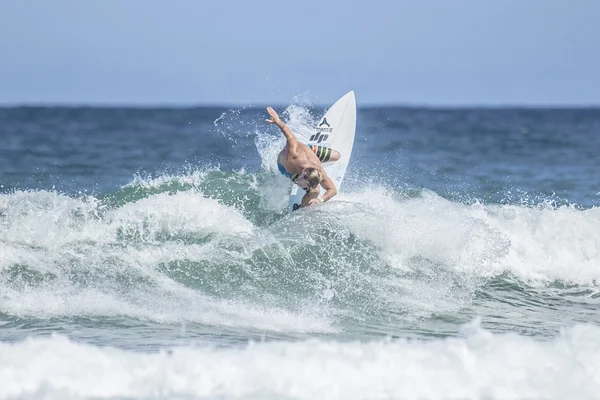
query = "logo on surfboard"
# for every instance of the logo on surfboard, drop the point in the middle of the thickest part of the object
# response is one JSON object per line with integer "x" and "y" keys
{"x": 322, "y": 129}
{"x": 317, "y": 137}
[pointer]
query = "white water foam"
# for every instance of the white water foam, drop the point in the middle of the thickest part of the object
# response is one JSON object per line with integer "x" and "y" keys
{"x": 193, "y": 178}
{"x": 548, "y": 243}
{"x": 478, "y": 365}
{"x": 185, "y": 213}
{"x": 538, "y": 244}
{"x": 82, "y": 256}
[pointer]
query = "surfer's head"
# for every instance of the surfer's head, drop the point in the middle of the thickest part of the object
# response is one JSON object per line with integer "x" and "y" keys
{"x": 309, "y": 178}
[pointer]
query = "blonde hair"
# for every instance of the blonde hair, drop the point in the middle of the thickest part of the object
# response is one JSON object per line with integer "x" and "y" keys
{"x": 313, "y": 176}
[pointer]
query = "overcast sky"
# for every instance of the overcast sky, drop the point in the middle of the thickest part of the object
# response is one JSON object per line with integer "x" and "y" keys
{"x": 429, "y": 52}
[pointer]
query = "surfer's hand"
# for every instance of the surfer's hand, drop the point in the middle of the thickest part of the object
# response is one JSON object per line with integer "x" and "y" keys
{"x": 314, "y": 201}
{"x": 274, "y": 117}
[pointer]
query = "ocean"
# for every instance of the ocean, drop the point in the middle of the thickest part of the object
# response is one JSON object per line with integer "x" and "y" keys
{"x": 146, "y": 253}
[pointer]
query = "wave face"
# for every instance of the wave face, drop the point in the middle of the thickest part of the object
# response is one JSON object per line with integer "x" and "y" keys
{"x": 204, "y": 248}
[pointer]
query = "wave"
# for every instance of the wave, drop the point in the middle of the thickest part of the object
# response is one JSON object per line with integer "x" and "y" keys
{"x": 478, "y": 364}
{"x": 216, "y": 248}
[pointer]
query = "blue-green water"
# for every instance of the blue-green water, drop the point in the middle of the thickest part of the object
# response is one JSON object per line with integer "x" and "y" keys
{"x": 146, "y": 253}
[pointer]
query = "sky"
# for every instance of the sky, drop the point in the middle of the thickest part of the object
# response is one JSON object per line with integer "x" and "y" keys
{"x": 251, "y": 52}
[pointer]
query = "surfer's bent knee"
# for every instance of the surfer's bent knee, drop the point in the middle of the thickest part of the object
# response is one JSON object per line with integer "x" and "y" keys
{"x": 325, "y": 154}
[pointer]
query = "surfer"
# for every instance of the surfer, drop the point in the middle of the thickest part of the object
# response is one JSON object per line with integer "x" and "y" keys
{"x": 302, "y": 164}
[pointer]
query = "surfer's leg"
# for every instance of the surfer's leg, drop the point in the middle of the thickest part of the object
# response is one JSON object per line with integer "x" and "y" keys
{"x": 335, "y": 155}
{"x": 325, "y": 154}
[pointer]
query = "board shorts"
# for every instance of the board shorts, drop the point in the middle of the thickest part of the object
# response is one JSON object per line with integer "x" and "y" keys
{"x": 282, "y": 169}
{"x": 323, "y": 154}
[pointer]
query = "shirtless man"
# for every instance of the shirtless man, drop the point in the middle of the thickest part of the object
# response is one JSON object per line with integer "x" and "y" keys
{"x": 302, "y": 164}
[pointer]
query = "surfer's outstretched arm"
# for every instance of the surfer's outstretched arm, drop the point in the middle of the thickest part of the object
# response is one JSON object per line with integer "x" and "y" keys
{"x": 292, "y": 142}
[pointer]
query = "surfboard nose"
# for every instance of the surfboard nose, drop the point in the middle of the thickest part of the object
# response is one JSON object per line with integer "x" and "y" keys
{"x": 350, "y": 97}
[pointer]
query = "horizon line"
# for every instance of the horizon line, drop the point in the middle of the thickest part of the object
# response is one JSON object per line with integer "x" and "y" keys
{"x": 366, "y": 105}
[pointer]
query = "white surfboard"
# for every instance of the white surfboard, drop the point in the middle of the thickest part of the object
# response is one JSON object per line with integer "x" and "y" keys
{"x": 335, "y": 130}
